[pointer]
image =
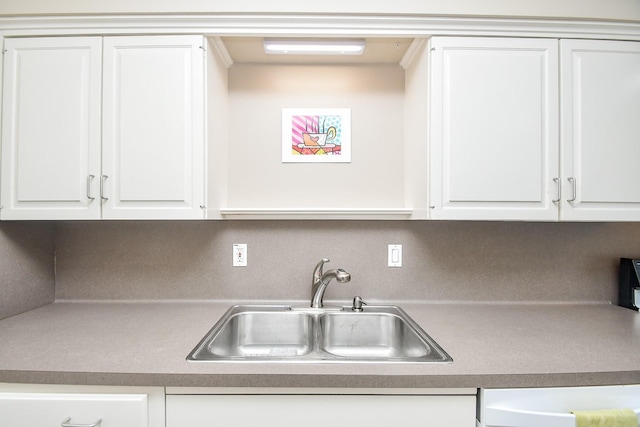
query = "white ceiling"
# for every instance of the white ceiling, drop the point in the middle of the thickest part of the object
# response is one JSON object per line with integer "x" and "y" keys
{"x": 377, "y": 50}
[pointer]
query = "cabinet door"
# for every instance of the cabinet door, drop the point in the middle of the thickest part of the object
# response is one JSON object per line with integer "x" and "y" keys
{"x": 494, "y": 128}
{"x": 600, "y": 130}
{"x": 319, "y": 411}
{"x": 51, "y": 128}
{"x": 153, "y": 129}
{"x": 54, "y": 409}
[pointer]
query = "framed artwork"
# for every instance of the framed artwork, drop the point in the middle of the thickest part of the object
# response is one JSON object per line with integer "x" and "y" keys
{"x": 312, "y": 135}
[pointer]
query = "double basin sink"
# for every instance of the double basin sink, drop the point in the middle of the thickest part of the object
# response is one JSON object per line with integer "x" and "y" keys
{"x": 280, "y": 333}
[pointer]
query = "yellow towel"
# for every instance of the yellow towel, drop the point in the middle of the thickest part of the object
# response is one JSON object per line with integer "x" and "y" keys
{"x": 606, "y": 418}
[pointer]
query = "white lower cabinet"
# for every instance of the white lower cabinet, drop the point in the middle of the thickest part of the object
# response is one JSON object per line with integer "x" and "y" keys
{"x": 320, "y": 410}
{"x": 38, "y": 406}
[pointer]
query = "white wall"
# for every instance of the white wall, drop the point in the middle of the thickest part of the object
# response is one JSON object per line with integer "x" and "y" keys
{"x": 258, "y": 178}
{"x": 628, "y": 10}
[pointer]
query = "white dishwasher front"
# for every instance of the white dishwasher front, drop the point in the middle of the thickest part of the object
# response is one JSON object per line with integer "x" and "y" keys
{"x": 551, "y": 407}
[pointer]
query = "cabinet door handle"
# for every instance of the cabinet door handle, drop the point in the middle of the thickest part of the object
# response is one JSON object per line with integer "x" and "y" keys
{"x": 557, "y": 181}
{"x": 572, "y": 180}
{"x": 89, "y": 181}
{"x": 66, "y": 423}
{"x": 102, "y": 180}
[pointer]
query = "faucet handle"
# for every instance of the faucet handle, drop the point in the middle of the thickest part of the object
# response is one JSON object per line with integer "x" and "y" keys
{"x": 317, "y": 272}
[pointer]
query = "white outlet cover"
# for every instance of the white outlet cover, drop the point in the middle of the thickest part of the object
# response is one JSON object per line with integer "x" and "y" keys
{"x": 395, "y": 255}
{"x": 239, "y": 255}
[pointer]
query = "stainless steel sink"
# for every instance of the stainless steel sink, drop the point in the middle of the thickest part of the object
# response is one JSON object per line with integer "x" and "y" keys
{"x": 381, "y": 334}
{"x": 264, "y": 334}
{"x": 276, "y": 333}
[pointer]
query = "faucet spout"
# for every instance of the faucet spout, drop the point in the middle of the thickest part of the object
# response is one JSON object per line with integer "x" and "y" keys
{"x": 317, "y": 272}
{"x": 321, "y": 281}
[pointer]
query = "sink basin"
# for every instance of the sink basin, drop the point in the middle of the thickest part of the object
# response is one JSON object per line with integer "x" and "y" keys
{"x": 262, "y": 332}
{"x": 372, "y": 335}
{"x": 274, "y": 333}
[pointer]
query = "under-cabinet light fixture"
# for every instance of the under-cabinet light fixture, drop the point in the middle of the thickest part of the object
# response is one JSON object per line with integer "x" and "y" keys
{"x": 314, "y": 46}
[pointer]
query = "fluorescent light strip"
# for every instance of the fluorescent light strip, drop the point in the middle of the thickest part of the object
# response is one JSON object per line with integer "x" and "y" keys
{"x": 313, "y": 47}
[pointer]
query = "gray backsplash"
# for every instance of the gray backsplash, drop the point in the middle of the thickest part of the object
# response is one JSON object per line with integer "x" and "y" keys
{"x": 26, "y": 266}
{"x": 443, "y": 261}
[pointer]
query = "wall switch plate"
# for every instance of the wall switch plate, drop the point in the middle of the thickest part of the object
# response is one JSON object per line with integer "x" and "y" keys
{"x": 239, "y": 254}
{"x": 395, "y": 256}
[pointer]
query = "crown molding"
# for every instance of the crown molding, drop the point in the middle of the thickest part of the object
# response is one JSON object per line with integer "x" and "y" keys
{"x": 415, "y": 48}
{"x": 314, "y": 25}
{"x": 219, "y": 47}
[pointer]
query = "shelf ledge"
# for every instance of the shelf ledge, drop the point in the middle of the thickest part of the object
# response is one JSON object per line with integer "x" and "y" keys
{"x": 321, "y": 213}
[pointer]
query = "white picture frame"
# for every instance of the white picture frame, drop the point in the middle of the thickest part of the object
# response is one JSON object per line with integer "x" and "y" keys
{"x": 316, "y": 135}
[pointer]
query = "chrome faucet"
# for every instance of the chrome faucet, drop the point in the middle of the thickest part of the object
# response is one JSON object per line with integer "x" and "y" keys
{"x": 321, "y": 280}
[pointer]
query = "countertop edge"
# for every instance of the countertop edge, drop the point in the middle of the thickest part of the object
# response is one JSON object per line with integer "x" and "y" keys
{"x": 315, "y": 381}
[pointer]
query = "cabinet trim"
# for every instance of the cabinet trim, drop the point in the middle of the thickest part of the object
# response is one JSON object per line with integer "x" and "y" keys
{"x": 311, "y": 25}
{"x": 257, "y": 213}
{"x": 320, "y": 391}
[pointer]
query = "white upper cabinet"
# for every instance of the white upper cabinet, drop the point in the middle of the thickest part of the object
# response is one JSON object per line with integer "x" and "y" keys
{"x": 600, "y": 130}
{"x": 497, "y": 131}
{"x": 51, "y": 128}
{"x": 475, "y": 128}
{"x": 119, "y": 137}
{"x": 153, "y": 127}
{"x": 493, "y": 128}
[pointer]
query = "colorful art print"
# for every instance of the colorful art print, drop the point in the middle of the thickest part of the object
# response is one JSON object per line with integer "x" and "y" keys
{"x": 316, "y": 135}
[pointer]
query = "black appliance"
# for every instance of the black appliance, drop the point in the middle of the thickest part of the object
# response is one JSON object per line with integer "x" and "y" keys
{"x": 629, "y": 290}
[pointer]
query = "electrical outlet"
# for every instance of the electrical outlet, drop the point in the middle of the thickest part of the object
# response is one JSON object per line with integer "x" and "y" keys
{"x": 395, "y": 256}
{"x": 239, "y": 254}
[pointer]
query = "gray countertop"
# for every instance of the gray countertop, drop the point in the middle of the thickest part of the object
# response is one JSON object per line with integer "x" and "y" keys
{"x": 493, "y": 345}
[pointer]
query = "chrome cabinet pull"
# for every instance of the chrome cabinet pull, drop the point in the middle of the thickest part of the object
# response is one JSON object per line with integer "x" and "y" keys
{"x": 557, "y": 181}
{"x": 89, "y": 181}
{"x": 66, "y": 423}
{"x": 572, "y": 180}
{"x": 102, "y": 180}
